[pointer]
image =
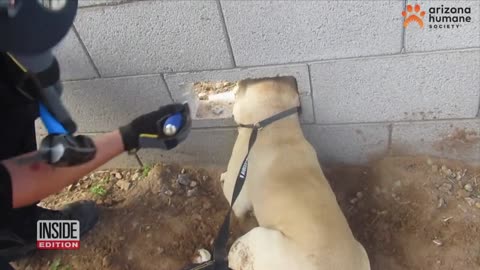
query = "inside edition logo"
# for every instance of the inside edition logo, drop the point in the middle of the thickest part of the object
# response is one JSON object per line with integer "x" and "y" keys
{"x": 58, "y": 234}
{"x": 437, "y": 17}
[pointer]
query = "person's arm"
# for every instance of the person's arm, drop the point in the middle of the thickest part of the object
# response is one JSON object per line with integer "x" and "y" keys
{"x": 33, "y": 182}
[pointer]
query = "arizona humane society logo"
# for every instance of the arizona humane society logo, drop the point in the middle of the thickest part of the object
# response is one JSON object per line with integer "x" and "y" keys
{"x": 58, "y": 234}
{"x": 439, "y": 17}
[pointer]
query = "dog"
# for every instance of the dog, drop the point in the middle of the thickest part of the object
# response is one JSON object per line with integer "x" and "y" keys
{"x": 301, "y": 225}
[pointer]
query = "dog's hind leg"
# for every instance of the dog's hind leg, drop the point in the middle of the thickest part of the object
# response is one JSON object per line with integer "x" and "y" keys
{"x": 266, "y": 249}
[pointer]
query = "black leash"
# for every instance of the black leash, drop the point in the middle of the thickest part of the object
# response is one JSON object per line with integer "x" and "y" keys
{"x": 220, "y": 252}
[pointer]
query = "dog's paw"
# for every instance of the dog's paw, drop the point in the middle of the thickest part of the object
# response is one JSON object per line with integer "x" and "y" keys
{"x": 240, "y": 257}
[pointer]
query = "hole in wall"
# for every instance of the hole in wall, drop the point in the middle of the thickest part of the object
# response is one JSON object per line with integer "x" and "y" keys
{"x": 214, "y": 99}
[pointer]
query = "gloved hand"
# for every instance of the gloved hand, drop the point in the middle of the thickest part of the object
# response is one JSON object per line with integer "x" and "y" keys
{"x": 152, "y": 125}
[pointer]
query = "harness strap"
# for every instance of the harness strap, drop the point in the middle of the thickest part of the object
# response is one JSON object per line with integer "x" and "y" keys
{"x": 220, "y": 252}
{"x": 27, "y": 83}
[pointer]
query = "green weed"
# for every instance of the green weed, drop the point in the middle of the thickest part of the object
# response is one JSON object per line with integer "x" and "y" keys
{"x": 146, "y": 170}
{"x": 98, "y": 190}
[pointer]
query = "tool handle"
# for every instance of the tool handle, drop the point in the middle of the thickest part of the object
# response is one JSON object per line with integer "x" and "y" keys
{"x": 173, "y": 124}
{"x": 52, "y": 125}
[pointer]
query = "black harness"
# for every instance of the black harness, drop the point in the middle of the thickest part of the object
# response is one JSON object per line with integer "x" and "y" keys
{"x": 220, "y": 252}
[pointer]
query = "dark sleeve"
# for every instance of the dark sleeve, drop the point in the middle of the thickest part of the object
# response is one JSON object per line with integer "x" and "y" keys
{"x": 5, "y": 190}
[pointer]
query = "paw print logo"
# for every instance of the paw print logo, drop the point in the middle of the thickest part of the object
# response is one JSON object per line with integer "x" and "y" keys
{"x": 413, "y": 15}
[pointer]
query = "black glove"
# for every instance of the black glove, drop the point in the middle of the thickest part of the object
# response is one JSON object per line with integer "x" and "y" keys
{"x": 151, "y": 126}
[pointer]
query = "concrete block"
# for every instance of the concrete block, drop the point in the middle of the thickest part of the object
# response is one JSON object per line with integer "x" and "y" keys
{"x": 74, "y": 62}
{"x": 180, "y": 85}
{"x": 102, "y": 105}
{"x": 273, "y": 32}
{"x": 88, "y": 3}
{"x": 348, "y": 144}
{"x": 457, "y": 139}
{"x": 466, "y": 35}
{"x": 307, "y": 115}
{"x": 405, "y": 87}
{"x": 202, "y": 147}
{"x": 154, "y": 37}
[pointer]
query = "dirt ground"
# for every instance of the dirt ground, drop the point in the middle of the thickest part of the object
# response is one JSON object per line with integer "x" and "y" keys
{"x": 215, "y": 99}
{"x": 412, "y": 213}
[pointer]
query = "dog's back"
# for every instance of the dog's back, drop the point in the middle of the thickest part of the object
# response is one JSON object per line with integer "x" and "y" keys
{"x": 290, "y": 193}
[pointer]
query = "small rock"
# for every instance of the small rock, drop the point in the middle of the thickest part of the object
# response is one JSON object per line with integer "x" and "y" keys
{"x": 107, "y": 261}
{"x": 147, "y": 228}
{"x": 462, "y": 193}
{"x": 197, "y": 216}
{"x": 437, "y": 242}
{"x": 207, "y": 205}
{"x": 470, "y": 201}
{"x": 108, "y": 201}
{"x": 459, "y": 176}
{"x": 440, "y": 203}
{"x": 70, "y": 187}
{"x": 123, "y": 185}
{"x": 121, "y": 238}
{"x": 445, "y": 187}
{"x": 429, "y": 162}
{"x": 183, "y": 171}
{"x": 193, "y": 184}
{"x": 183, "y": 179}
{"x": 217, "y": 110}
{"x": 192, "y": 192}
{"x": 135, "y": 176}
{"x": 134, "y": 224}
{"x": 168, "y": 192}
{"x": 130, "y": 256}
{"x": 468, "y": 187}
{"x": 477, "y": 205}
{"x": 434, "y": 168}
{"x": 359, "y": 195}
{"x": 205, "y": 178}
{"x": 444, "y": 169}
{"x": 118, "y": 175}
{"x": 160, "y": 250}
{"x": 149, "y": 235}
{"x": 201, "y": 256}
{"x": 353, "y": 200}
{"x": 202, "y": 96}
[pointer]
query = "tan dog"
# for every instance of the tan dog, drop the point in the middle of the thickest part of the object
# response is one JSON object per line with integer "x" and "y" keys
{"x": 301, "y": 224}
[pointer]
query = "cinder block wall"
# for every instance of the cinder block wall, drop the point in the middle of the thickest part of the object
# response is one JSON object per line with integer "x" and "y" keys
{"x": 368, "y": 86}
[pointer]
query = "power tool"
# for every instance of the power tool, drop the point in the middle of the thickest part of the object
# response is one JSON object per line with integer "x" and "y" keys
{"x": 29, "y": 30}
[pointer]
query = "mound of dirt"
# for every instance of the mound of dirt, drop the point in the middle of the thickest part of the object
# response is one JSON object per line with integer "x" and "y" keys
{"x": 408, "y": 212}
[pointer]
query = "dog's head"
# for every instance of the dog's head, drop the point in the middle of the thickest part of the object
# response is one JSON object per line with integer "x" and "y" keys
{"x": 257, "y": 99}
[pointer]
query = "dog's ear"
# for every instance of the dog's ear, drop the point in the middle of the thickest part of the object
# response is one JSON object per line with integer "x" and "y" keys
{"x": 242, "y": 86}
